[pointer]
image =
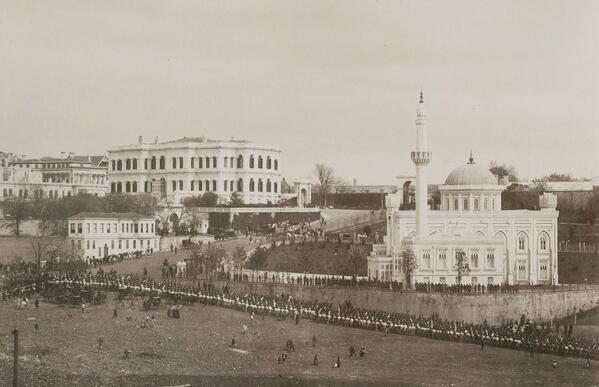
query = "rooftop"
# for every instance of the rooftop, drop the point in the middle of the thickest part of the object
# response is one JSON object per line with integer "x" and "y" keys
{"x": 108, "y": 215}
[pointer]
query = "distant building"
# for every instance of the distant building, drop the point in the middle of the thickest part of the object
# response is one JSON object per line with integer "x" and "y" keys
{"x": 513, "y": 246}
{"x": 53, "y": 178}
{"x": 191, "y": 166}
{"x": 99, "y": 235}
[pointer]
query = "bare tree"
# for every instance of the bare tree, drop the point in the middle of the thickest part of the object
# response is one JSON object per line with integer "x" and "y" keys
{"x": 325, "y": 176}
{"x": 408, "y": 265}
{"x": 461, "y": 264}
{"x": 16, "y": 210}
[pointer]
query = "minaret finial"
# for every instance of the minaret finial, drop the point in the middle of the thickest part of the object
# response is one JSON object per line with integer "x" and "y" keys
{"x": 471, "y": 159}
{"x": 421, "y": 97}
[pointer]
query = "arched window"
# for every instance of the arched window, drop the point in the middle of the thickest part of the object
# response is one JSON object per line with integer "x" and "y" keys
{"x": 275, "y": 187}
{"x": 214, "y": 162}
{"x": 231, "y": 185}
{"x": 112, "y": 187}
{"x": 226, "y": 162}
{"x": 252, "y": 187}
{"x": 276, "y": 165}
{"x": 240, "y": 161}
{"x": 485, "y": 204}
{"x": 207, "y": 162}
{"x": 251, "y": 161}
{"x": 476, "y": 208}
{"x": 240, "y": 185}
{"x": 200, "y": 162}
{"x": 543, "y": 242}
{"x": 180, "y": 162}
{"x": 260, "y": 185}
{"x": 119, "y": 165}
{"x": 174, "y": 160}
{"x": 268, "y": 163}
{"x": 119, "y": 187}
{"x": 153, "y": 162}
{"x": 181, "y": 185}
{"x": 200, "y": 185}
{"x": 521, "y": 242}
{"x": 207, "y": 185}
{"x": 465, "y": 204}
{"x": 231, "y": 162}
{"x": 426, "y": 259}
{"x": 456, "y": 204}
{"x": 260, "y": 162}
{"x": 162, "y": 162}
{"x": 112, "y": 162}
{"x": 134, "y": 164}
{"x": 490, "y": 259}
{"x": 225, "y": 185}
{"x": 128, "y": 164}
{"x": 474, "y": 259}
{"x": 134, "y": 187}
{"x": 268, "y": 185}
{"x": 214, "y": 185}
{"x": 174, "y": 182}
{"x": 146, "y": 163}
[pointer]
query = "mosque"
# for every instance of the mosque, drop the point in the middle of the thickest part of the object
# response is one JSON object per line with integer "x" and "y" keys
{"x": 512, "y": 247}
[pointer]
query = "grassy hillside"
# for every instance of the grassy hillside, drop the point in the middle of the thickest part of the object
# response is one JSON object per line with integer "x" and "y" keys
{"x": 318, "y": 258}
{"x": 575, "y": 267}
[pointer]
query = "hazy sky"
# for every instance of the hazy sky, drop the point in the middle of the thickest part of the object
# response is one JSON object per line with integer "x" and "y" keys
{"x": 333, "y": 81}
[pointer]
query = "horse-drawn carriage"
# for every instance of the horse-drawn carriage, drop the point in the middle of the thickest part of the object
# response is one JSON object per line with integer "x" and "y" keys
{"x": 153, "y": 301}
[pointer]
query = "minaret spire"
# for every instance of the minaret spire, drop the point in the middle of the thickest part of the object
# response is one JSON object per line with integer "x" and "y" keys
{"x": 471, "y": 159}
{"x": 421, "y": 157}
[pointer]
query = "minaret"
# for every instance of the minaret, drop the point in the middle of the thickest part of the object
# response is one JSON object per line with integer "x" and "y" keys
{"x": 421, "y": 157}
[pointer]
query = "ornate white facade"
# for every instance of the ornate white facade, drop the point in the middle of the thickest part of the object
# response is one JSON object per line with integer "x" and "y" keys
{"x": 53, "y": 178}
{"x": 191, "y": 166}
{"x": 517, "y": 246}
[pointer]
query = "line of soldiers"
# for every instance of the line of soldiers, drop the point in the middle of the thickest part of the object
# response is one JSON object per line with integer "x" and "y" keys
{"x": 521, "y": 335}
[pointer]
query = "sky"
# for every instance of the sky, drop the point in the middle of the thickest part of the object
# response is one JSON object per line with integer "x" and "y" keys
{"x": 327, "y": 81}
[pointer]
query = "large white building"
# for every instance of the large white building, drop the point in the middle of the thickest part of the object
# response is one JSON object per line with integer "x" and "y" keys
{"x": 516, "y": 246}
{"x": 190, "y": 166}
{"x": 50, "y": 177}
{"x": 99, "y": 235}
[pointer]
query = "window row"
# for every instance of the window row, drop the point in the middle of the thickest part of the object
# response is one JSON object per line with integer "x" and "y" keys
{"x": 477, "y": 204}
{"x": 442, "y": 262}
{"x": 195, "y": 162}
{"x": 114, "y": 245}
{"x": 522, "y": 242}
{"x": 199, "y": 185}
{"x": 126, "y": 227}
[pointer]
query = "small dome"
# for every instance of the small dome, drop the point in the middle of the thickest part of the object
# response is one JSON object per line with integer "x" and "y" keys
{"x": 471, "y": 174}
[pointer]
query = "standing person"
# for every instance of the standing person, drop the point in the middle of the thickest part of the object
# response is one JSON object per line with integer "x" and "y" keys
{"x": 338, "y": 362}
{"x": 175, "y": 250}
{"x": 83, "y": 307}
{"x": 37, "y": 303}
{"x": 362, "y": 351}
{"x": 244, "y": 329}
{"x": 482, "y": 344}
{"x": 114, "y": 312}
{"x": 233, "y": 342}
{"x": 315, "y": 362}
{"x": 313, "y": 341}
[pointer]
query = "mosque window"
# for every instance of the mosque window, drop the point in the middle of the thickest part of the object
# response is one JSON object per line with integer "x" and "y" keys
{"x": 543, "y": 243}
{"x": 443, "y": 259}
{"x": 474, "y": 280}
{"x": 476, "y": 207}
{"x": 174, "y": 162}
{"x": 490, "y": 259}
{"x": 465, "y": 204}
{"x": 251, "y": 161}
{"x": 521, "y": 243}
{"x": 426, "y": 259}
{"x": 474, "y": 259}
{"x": 252, "y": 185}
{"x": 456, "y": 204}
{"x": 180, "y": 162}
{"x": 543, "y": 272}
{"x": 485, "y": 204}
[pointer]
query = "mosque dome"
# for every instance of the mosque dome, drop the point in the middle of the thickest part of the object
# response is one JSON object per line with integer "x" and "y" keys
{"x": 471, "y": 174}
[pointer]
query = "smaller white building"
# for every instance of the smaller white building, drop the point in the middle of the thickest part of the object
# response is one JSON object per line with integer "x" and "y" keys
{"x": 99, "y": 235}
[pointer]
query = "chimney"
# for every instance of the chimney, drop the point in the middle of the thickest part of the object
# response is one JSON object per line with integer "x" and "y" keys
{"x": 156, "y": 140}
{"x": 140, "y": 140}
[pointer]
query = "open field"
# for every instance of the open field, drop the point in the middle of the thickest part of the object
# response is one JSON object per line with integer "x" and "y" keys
{"x": 195, "y": 349}
{"x": 11, "y": 247}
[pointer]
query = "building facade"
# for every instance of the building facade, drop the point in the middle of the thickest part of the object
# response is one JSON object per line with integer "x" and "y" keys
{"x": 54, "y": 178}
{"x": 188, "y": 166}
{"x": 516, "y": 246}
{"x": 99, "y": 235}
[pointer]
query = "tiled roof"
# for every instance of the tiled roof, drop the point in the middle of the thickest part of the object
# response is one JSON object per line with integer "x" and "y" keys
{"x": 108, "y": 215}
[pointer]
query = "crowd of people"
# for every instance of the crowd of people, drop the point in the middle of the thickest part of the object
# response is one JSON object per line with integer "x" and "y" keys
{"x": 465, "y": 288}
{"x": 519, "y": 335}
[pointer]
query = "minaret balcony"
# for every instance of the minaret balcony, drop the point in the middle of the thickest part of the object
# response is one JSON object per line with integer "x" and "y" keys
{"x": 421, "y": 158}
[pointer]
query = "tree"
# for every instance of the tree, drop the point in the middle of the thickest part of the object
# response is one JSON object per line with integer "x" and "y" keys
{"x": 305, "y": 263}
{"x": 539, "y": 186}
{"x": 461, "y": 264}
{"x": 325, "y": 177}
{"x": 591, "y": 210}
{"x": 16, "y": 210}
{"x": 258, "y": 259}
{"x": 555, "y": 176}
{"x": 408, "y": 265}
{"x": 357, "y": 259}
{"x": 504, "y": 170}
{"x": 236, "y": 200}
{"x": 208, "y": 199}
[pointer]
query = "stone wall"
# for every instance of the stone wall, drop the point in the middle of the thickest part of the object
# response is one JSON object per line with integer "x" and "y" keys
{"x": 495, "y": 308}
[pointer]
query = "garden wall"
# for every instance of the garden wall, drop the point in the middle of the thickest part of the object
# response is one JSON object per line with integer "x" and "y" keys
{"x": 495, "y": 308}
